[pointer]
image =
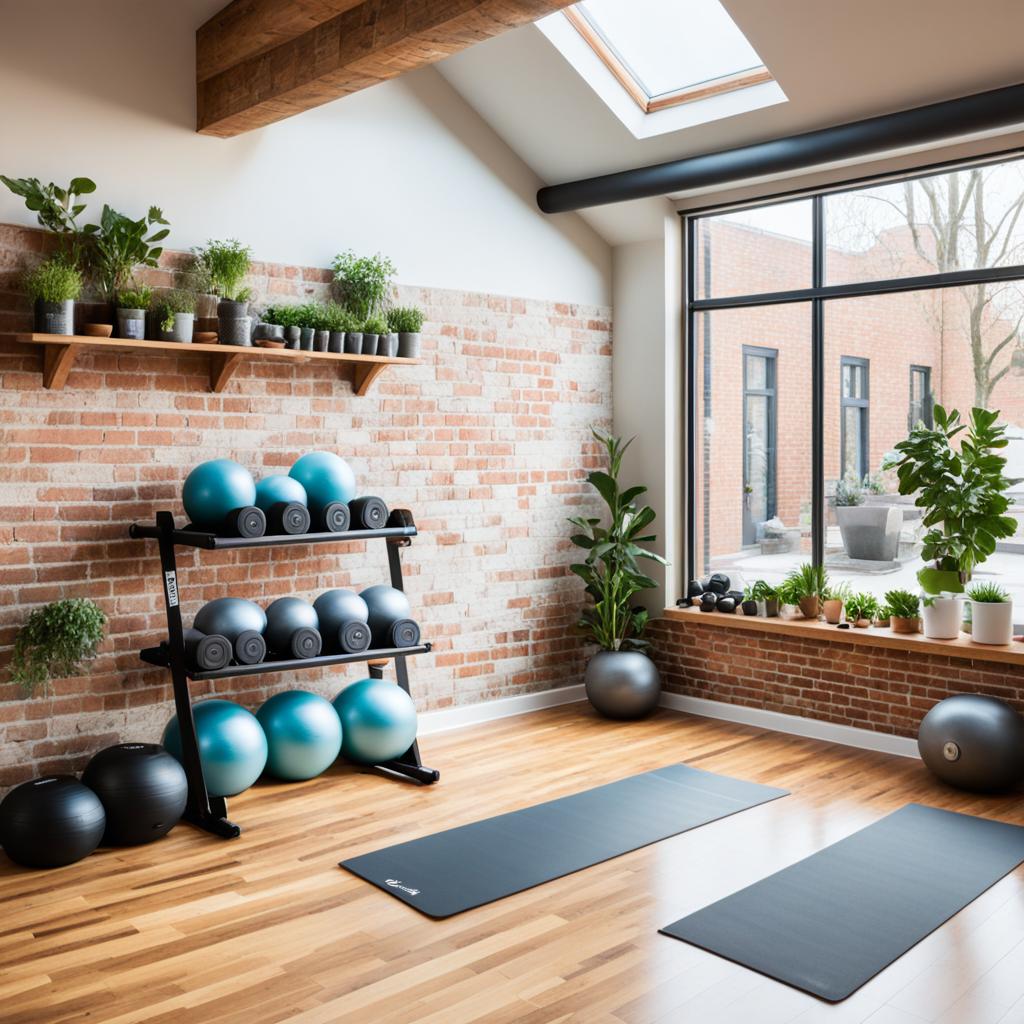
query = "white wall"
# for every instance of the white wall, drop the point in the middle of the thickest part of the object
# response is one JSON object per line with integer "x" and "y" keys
{"x": 106, "y": 89}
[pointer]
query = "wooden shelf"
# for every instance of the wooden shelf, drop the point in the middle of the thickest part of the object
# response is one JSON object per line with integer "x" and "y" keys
{"x": 60, "y": 351}
{"x": 873, "y": 636}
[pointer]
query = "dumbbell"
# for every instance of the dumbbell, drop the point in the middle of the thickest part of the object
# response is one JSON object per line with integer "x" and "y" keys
{"x": 389, "y": 617}
{"x": 368, "y": 513}
{"x": 293, "y": 628}
{"x": 342, "y": 615}
{"x": 334, "y": 517}
{"x": 288, "y": 517}
{"x": 241, "y": 622}
{"x": 247, "y": 521}
{"x": 206, "y": 652}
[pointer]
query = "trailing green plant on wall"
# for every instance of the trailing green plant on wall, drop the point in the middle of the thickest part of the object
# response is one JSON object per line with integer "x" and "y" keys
{"x": 225, "y": 265}
{"x": 962, "y": 490}
{"x": 611, "y": 569}
{"x": 57, "y": 209}
{"x": 54, "y": 641}
{"x": 363, "y": 282}
{"x": 122, "y": 245}
{"x": 53, "y": 280}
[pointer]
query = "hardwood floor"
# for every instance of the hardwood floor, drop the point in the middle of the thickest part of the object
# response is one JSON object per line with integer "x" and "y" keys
{"x": 267, "y": 928}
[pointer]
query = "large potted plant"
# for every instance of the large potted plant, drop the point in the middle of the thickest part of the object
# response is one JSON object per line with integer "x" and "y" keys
{"x": 54, "y": 641}
{"x": 621, "y": 681}
{"x": 991, "y": 614}
{"x": 53, "y": 286}
{"x": 225, "y": 264}
{"x": 963, "y": 493}
{"x": 363, "y": 283}
{"x": 121, "y": 246}
{"x": 869, "y": 532}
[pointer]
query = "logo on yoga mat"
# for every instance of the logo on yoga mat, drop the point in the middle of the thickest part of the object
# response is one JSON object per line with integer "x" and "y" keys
{"x": 396, "y": 884}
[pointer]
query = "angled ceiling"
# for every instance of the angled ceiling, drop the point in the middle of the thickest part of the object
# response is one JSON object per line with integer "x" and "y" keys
{"x": 839, "y": 61}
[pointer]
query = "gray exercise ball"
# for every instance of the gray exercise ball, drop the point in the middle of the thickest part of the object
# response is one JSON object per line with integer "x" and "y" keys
{"x": 973, "y": 742}
{"x": 622, "y": 684}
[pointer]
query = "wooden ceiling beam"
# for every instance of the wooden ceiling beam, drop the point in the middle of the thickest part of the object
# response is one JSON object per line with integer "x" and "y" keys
{"x": 260, "y": 61}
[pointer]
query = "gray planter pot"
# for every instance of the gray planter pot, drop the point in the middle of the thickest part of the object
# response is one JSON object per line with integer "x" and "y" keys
{"x": 370, "y": 344}
{"x": 409, "y": 345}
{"x": 131, "y": 323}
{"x": 235, "y": 330}
{"x": 306, "y": 338}
{"x": 230, "y": 310}
{"x": 337, "y": 342}
{"x": 870, "y": 532}
{"x": 321, "y": 340}
{"x": 55, "y": 317}
{"x": 622, "y": 684}
{"x": 387, "y": 345}
{"x": 292, "y": 337}
{"x": 353, "y": 342}
{"x": 268, "y": 332}
{"x": 182, "y": 329}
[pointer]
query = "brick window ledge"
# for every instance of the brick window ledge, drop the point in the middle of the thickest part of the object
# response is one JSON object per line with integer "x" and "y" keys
{"x": 963, "y": 647}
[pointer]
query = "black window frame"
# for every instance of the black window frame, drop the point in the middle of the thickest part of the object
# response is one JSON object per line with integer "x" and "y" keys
{"x": 927, "y": 416}
{"x": 863, "y": 403}
{"x": 817, "y": 295}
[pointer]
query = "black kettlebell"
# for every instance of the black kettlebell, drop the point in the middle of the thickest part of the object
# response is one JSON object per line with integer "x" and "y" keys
{"x": 708, "y": 601}
{"x": 725, "y": 604}
{"x": 694, "y": 588}
{"x": 719, "y": 583}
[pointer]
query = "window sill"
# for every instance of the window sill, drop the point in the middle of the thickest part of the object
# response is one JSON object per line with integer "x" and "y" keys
{"x": 963, "y": 647}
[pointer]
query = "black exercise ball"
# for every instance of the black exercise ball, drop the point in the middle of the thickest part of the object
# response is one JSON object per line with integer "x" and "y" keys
{"x": 142, "y": 788}
{"x": 343, "y": 616}
{"x": 293, "y": 628}
{"x": 973, "y": 742}
{"x": 390, "y": 617}
{"x": 50, "y": 822}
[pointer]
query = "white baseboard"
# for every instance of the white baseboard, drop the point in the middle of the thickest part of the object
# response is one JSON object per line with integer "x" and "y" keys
{"x": 795, "y": 725}
{"x": 472, "y": 714}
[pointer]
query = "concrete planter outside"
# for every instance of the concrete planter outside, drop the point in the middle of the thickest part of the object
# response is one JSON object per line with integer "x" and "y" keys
{"x": 870, "y": 532}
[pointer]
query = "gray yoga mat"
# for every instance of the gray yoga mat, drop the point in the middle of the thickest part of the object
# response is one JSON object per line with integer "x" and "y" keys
{"x": 449, "y": 872}
{"x": 830, "y": 923}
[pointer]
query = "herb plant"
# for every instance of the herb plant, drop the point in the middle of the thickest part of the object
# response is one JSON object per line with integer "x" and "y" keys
{"x": 54, "y": 641}
{"x": 405, "y": 319}
{"x": 763, "y": 591}
{"x": 375, "y": 325}
{"x": 862, "y": 606}
{"x": 53, "y": 280}
{"x": 611, "y": 568}
{"x": 903, "y": 604}
{"x": 135, "y": 298}
{"x": 806, "y": 580}
{"x": 177, "y": 300}
{"x": 225, "y": 264}
{"x": 122, "y": 244}
{"x": 363, "y": 282}
{"x": 988, "y": 593}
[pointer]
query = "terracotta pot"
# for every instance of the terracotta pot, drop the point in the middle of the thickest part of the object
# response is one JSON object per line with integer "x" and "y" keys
{"x": 97, "y": 330}
{"x": 809, "y": 607}
{"x": 833, "y": 610}
{"x": 862, "y": 623}
{"x": 883, "y": 623}
{"x": 905, "y": 624}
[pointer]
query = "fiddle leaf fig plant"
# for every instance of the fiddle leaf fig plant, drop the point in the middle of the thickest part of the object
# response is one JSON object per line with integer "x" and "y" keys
{"x": 54, "y": 641}
{"x": 962, "y": 490}
{"x": 610, "y": 569}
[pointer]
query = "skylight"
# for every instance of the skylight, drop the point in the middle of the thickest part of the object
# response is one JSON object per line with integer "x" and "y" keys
{"x": 666, "y": 52}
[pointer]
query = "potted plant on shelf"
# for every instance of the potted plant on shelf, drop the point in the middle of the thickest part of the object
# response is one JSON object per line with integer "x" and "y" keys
{"x": 57, "y": 209}
{"x": 373, "y": 328}
{"x": 904, "y": 611}
{"x": 861, "y": 609}
{"x": 963, "y": 493}
{"x": 362, "y": 283}
{"x": 749, "y": 604}
{"x": 407, "y": 323}
{"x": 804, "y": 587}
{"x": 991, "y": 614}
{"x": 54, "y": 641}
{"x": 767, "y": 598}
{"x": 53, "y": 286}
{"x": 132, "y": 304}
{"x": 353, "y": 328}
{"x": 883, "y": 617}
{"x": 832, "y": 602}
{"x": 176, "y": 313}
{"x": 613, "y": 578}
{"x": 226, "y": 263}
{"x": 334, "y": 320}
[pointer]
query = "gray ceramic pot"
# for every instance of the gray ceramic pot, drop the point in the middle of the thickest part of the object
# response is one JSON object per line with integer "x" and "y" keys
{"x": 622, "y": 684}
{"x": 409, "y": 345}
{"x": 182, "y": 329}
{"x": 387, "y": 345}
{"x": 234, "y": 330}
{"x": 131, "y": 323}
{"x": 292, "y": 336}
{"x": 337, "y": 342}
{"x": 306, "y": 338}
{"x": 353, "y": 342}
{"x": 55, "y": 317}
{"x": 370, "y": 344}
{"x": 321, "y": 340}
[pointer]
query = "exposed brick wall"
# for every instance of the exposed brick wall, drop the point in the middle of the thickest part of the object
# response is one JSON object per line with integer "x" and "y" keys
{"x": 487, "y": 442}
{"x": 882, "y": 690}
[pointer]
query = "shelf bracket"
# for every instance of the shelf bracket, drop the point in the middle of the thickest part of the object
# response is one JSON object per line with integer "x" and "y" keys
{"x": 364, "y": 375}
{"x": 57, "y": 363}
{"x": 222, "y": 368}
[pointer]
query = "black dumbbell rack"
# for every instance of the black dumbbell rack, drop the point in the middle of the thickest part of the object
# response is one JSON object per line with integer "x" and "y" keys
{"x": 210, "y": 812}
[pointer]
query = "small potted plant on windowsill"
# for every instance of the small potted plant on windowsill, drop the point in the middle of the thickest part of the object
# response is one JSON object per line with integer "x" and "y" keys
{"x": 767, "y": 598}
{"x": 883, "y": 617}
{"x": 54, "y": 285}
{"x": 832, "y": 602}
{"x": 749, "y": 603}
{"x": 175, "y": 314}
{"x": 861, "y": 610}
{"x": 54, "y": 641}
{"x": 904, "y": 611}
{"x": 132, "y": 304}
{"x": 804, "y": 587}
{"x": 407, "y": 323}
{"x": 991, "y": 614}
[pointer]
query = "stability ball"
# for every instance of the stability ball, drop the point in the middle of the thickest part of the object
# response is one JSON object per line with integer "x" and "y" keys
{"x": 232, "y": 745}
{"x": 622, "y": 684}
{"x": 272, "y": 489}
{"x": 326, "y": 477}
{"x": 378, "y": 721}
{"x": 214, "y": 489}
{"x": 390, "y": 617}
{"x": 142, "y": 789}
{"x": 50, "y": 822}
{"x": 293, "y": 628}
{"x": 973, "y": 742}
{"x": 303, "y": 734}
{"x": 343, "y": 616}
{"x": 241, "y": 621}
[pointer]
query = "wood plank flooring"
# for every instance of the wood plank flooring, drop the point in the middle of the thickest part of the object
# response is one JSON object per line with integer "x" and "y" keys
{"x": 267, "y": 928}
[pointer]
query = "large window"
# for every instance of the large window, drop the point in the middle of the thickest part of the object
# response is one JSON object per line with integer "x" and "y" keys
{"x": 822, "y": 329}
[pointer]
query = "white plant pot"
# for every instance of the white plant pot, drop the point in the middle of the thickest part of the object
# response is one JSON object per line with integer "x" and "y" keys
{"x": 992, "y": 622}
{"x": 940, "y": 620}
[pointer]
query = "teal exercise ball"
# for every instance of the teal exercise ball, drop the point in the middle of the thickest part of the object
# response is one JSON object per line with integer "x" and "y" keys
{"x": 303, "y": 734}
{"x": 213, "y": 489}
{"x": 232, "y": 745}
{"x": 378, "y": 721}
{"x": 272, "y": 489}
{"x": 326, "y": 477}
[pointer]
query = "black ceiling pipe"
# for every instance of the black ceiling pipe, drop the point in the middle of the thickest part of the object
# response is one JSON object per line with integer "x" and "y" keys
{"x": 983, "y": 111}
